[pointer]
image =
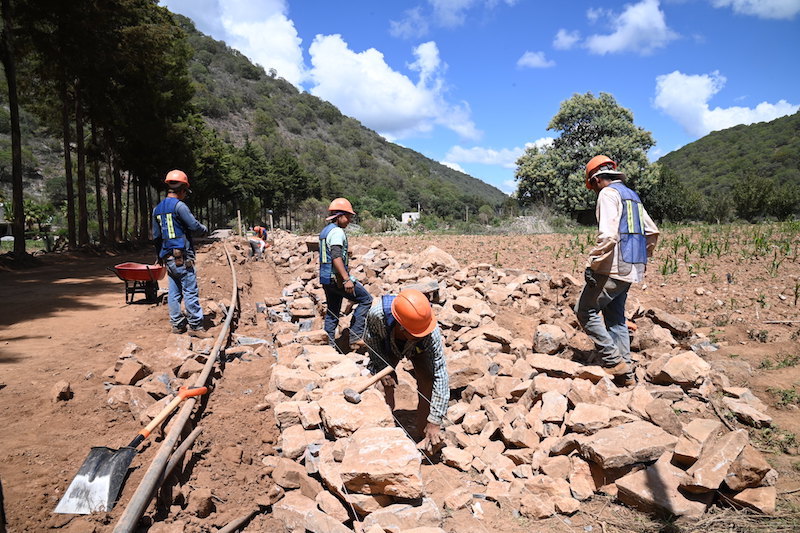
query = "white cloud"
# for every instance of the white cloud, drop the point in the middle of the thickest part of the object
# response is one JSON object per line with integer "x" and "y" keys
{"x": 765, "y": 9}
{"x": 565, "y": 40}
{"x": 685, "y": 98}
{"x": 534, "y": 60}
{"x": 509, "y": 187}
{"x": 362, "y": 85}
{"x": 454, "y": 166}
{"x": 640, "y": 28}
{"x": 505, "y": 157}
{"x": 413, "y": 25}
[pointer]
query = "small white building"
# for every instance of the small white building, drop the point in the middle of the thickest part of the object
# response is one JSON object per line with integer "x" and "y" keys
{"x": 407, "y": 218}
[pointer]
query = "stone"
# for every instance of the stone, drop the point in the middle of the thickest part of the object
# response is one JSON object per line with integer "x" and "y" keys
{"x": 543, "y": 383}
{"x": 291, "y": 380}
{"x": 433, "y": 257}
{"x": 299, "y": 512}
{"x": 761, "y": 499}
{"x": 290, "y": 475}
{"x": 131, "y": 372}
{"x": 536, "y": 506}
{"x": 549, "y": 339}
{"x": 287, "y": 413}
{"x": 552, "y": 365}
{"x": 310, "y": 415}
{"x": 747, "y": 414}
{"x": 134, "y": 398}
{"x": 655, "y": 489}
{"x": 746, "y": 395}
{"x": 686, "y": 369}
{"x": 640, "y": 399}
{"x": 294, "y": 440}
{"x": 557, "y": 467}
{"x": 676, "y": 325}
{"x": 661, "y": 414}
{"x": 708, "y": 473}
{"x": 589, "y": 418}
{"x": 331, "y": 506}
{"x": 474, "y": 422}
{"x": 341, "y": 418}
{"x": 401, "y": 516}
{"x": 457, "y": 458}
{"x": 464, "y": 368}
{"x": 61, "y": 392}
{"x": 458, "y": 499}
{"x": 634, "y": 442}
{"x": 189, "y": 368}
{"x": 581, "y": 483}
{"x": 554, "y": 406}
{"x": 382, "y": 461}
{"x": 692, "y": 439}
{"x": 201, "y": 503}
{"x": 748, "y": 470}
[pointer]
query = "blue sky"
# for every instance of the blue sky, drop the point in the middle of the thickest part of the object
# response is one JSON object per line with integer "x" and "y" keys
{"x": 471, "y": 83}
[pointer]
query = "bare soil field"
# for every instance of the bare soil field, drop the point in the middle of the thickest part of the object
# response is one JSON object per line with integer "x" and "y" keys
{"x": 67, "y": 320}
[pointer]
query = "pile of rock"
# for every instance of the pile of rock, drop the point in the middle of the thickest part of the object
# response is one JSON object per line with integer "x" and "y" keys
{"x": 539, "y": 427}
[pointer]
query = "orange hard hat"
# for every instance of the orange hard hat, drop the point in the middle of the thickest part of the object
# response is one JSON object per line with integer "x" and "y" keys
{"x": 176, "y": 176}
{"x": 595, "y": 163}
{"x": 413, "y": 310}
{"x": 341, "y": 204}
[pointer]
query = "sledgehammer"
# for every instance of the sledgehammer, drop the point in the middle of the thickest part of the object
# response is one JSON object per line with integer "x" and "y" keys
{"x": 354, "y": 396}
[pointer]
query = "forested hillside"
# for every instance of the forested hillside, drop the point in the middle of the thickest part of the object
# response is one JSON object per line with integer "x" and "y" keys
{"x": 724, "y": 164}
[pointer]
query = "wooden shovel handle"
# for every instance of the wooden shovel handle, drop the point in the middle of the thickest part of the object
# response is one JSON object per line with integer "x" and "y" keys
{"x": 183, "y": 393}
{"x": 374, "y": 379}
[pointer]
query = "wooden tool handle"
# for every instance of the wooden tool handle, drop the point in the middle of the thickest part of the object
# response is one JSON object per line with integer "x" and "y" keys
{"x": 183, "y": 393}
{"x": 374, "y": 379}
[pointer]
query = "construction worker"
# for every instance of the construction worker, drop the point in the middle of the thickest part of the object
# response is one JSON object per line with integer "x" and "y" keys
{"x": 626, "y": 238}
{"x": 335, "y": 277}
{"x": 405, "y": 326}
{"x": 173, "y": 224}
{"x": 258, "y": 242}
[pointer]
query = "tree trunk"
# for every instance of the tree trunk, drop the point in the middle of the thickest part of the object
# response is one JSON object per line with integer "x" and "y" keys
{"x": 98, "y": 192}
{"x": 118, "y": 202}
{"x": 65, "y": 115}
{"x": 83, "y": 215}
{"x": 112, "y": 230}
{"x": 132, "y": 186}
{"x": 9, "y": 64}
{"x": 147, "y": 201}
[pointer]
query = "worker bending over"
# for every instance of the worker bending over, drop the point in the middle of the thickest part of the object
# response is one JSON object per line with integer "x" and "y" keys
{"x": 335, "y": 277}
{"x": 258, "y": 242}
{"x": 626, "y": 237}
{"x": 405, "y": 326}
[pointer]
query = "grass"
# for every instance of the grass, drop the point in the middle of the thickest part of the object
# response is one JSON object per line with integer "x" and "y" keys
{"x": 781, "y": 361}
{"x": 774, "y": 439}
{"x": 30, "y": 245}
{"x": 758, "y": 335}
{"x": 785, "y": 396}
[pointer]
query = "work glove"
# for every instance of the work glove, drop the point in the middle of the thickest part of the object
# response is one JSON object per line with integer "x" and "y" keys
{"x": 588, "y": 276}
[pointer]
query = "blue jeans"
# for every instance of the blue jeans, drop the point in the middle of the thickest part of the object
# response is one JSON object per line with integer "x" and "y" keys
{"x": 610, "y": 334}
{"x": 334, "y": 296}
{"x": 183, "y": 287}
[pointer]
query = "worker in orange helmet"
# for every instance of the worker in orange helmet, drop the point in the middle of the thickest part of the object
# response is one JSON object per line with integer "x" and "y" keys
{"x": 335, "y": 277}
{"x": 258, "y": 242}
{"x": 405, "y": 326}
{"x": 626, "y": 238}
{"x": 173, "y": 226}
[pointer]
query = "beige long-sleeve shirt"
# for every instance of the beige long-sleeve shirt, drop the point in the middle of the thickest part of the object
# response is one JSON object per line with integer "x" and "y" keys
{"x": 604, "y": 257}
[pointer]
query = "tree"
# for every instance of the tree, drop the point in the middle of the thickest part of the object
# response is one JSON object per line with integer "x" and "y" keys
{"x": 587, "y": 126}
{"x": 751, "y": 195}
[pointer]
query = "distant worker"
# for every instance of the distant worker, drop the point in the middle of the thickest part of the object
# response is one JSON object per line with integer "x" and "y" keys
{"x": 626, "y": 238}
{"x": 335, "y": 277}
{"x": 405, "y": 326}
{"x": 258, "y": 242}
{"x": 173, "y": 225}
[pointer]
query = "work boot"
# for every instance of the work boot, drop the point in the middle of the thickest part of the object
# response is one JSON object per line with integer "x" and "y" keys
{"x": 199, "y": 334}
{"x": 619, "y": 369}
{"x": 179, "y": 329}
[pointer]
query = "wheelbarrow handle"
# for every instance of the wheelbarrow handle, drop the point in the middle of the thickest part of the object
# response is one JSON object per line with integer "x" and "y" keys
{"x": 183, "y": 393}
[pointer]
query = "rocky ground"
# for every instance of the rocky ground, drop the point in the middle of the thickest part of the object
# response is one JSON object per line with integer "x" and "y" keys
{"x": 538, "y": 439}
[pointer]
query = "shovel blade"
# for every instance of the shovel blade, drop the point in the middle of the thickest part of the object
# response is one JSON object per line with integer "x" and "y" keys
{"x": 96, "y": 485}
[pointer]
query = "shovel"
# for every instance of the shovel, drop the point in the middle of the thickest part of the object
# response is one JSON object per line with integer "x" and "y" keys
{"x": 96, "y": 485}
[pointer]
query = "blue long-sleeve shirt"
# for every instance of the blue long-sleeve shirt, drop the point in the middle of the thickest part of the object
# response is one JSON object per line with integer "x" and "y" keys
{"x": 190, "y": 224}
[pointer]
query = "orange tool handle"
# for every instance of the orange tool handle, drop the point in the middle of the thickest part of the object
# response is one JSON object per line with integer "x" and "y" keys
{"x": 183, "y": 393}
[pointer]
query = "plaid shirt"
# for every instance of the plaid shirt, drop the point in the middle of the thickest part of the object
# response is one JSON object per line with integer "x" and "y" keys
{"x": 429, "y": 349}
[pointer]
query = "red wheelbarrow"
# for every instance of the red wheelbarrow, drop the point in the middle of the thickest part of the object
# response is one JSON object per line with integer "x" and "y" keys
{"x": 140, "y": 278}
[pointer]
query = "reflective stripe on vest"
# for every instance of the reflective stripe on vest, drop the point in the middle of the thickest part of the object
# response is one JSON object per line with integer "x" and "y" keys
{"x": 632, "y": 240}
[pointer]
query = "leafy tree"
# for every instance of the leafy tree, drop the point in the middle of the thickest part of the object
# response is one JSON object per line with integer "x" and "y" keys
{"x": 751, "y": 196}
{"x": 785, "y": 201}
{"x": 586, "y": 126}
{"x": 485, "y": 213}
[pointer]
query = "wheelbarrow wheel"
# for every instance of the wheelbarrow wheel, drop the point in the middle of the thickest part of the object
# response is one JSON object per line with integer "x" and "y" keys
{"x": 151, "y": 291}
